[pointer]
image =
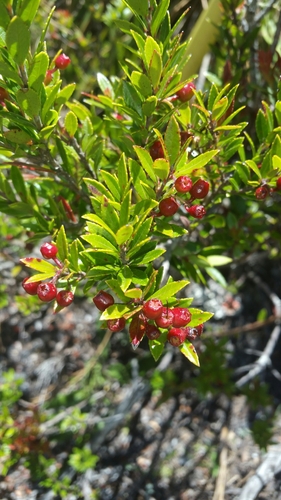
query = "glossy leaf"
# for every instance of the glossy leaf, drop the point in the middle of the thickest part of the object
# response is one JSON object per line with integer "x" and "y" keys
{"x": 39, "y": 265}
{"x": 38, "y": 70}
{"x": 172, "y": 139}
{"x": 29, "y": 101}
{"x": 142, "y": 83}
{"x": 124, "y": 234}
{"x": 18, "y": 39}
{"x": 146, "y": 161}
{"x": 169, "y": 290}
{"x": 156, "y": 348}
{"x": 28, "y": 10}
{"x": 198, "y": 162}
{"x": 71, "y": 123}
{"x": 189, "y": 351}
{"x": 198, "y": 317}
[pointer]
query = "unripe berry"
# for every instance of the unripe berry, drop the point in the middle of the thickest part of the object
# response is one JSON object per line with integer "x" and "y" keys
{"x": 103, "y": 300}
{"x": 166, "y": 318}
{"x": 156, "y": 150}
{"x": 62, "y": 61}
{"x": 30, "y": 288}
{"x": 262, "y": 192}
{"x": 47, "y": 292}
{"x": 193, "y": 333}
{"x": 49, "y": 76}
{"x": 152, "y": 332}
{"x": 186, "y": 92}
{"x": 183, "y": 184}
{"x": 64, "y": 298}
{"x": 49, "y": 251}
{"x": 278, "y": 184}
{"x": 153, "y": 308}
{"x": 176, "y": 336}
{"x": 199, "y": 189}
{"x": 197, "y": 211}
{"x": 116, "y": 325}
{"x": 168, "y": 207}
{"x": 182, "y": 316}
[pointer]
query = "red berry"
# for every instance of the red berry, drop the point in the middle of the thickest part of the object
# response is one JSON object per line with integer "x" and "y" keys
{"x": 62, "y": 61}
{"x": 153, "y": 308}
{"x": 186, "y": 92}
{"x": 262, "y": 192}
{"x": 183, "y": 184}
{"x": 278, "y": 184}
{"x": 103, "y": 300}
{"x": 152, "y": 332}
{"x": 184, "y": 136}
{"x": 46, "y": 292}
{"x": 137, "y": 330}
{"x": 49, "y": 251}
{"x": 3, "y": 94}
{"x": 156, "y": 150}
{"x": 193, "y": 333}
{"x": 64, "y": 298}
{"x": 197, "y": 211}
{"x": 30, "y": 288}
{"x": 182, "y": 316}
{"x": 166, "y": 318}
{"x": 116, "y": 325}
{"x": 199, "y": 189}
{"x": 168, "y": 207}
{"x": 176, "y": 336}
{"x": 48, "y": 76}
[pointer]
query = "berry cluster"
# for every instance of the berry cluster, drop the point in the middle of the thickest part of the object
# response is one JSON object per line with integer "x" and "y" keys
{"x": 153, "y": 316}
{"x": 61, "y": 62}
{"x": 197, "y": 191}
{"x": 47, "y": 292}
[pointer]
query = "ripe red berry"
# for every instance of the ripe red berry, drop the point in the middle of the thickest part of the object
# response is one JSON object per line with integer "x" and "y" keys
{"x": 137, "y": 330}
{"x": 168, "y": 207}
{"x": 152, "y": 332}
{"x": 193, "y": 333}
{"x": 197, "y": 211}
{"x": 199, "y": 189}
{"x": 186, "y": 92}
{"x": 166, "y": 318}
{"x": 103, "y": 300}
{"x": 176, "y": 336}
{"x": 64, "y": 298}
{"x": 182, "y": 317}
{"x": 156, "y": 150}
{"x": 30, "y": 288}
{"x": 278, "y": 184}
{"x": 62, "y": 61}
{"x": 116, "y": 325}
{"x": 48, "y": 250}
{"x": 153, "y": 308}
{"x": 183, "y": 184}
{"x": 262, "y": 192}
{"x": 47, "y": 292}
{"x": 49, "y": 76}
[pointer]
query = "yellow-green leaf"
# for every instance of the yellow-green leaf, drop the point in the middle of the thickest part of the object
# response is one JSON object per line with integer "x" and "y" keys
{"x": 189, "y": 351}
{"x": 18, "y": 39}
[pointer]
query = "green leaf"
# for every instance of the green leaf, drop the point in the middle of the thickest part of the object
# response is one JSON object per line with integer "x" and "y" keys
{"x": 262, "y": 127}
{"x": 155, "y": 69}
{"x": 18, "y": 40}
{"x": 39, "y": 265}
{"x": 148, "y": 257}
{"x": 159, "y": 15}
{"x": 125, "y": 209}
{"x": 150, "y": 47}
{"x": 64, "y": 95}
{"x": 124, "y": 234}
{"x": 29, "y": 101}
{"x": 38, "y": 70}
{"x": 117, "y": 311}
{"x": 133, "y": 293}
{"x": 51, "y": 96}
{"x": 218, "y": 260}
{"x": 278, "y": 112}
{"x": 156, "y": 348}
{"x": 132, "y": 98}
{"x": 122, "y": 174}
{"x": 112, "y": 183}
{"x": 253, "y": 166}
{"x": 18, "y": 183}
{"x": 198, "y": 317}
{"x": 149, "y": 105}
{"x": 28, "y": 10}
{"x": 62, "y": 245}
{"x": 189, "y": 351}
{"x": 7, "y": 72}
{"x": 161, "y": 168}
{"x": 105, "y": 85}
{"x": 146, "y": 161}
{"x": 100, "y": 243}
{"x": 17, "y": 136}
{"x": 100, "y": 222}
{"x": 198, "y": 162}
{"x": 40, "y": 277}
{"x": 4, "y": 16}
{"x": 172, "y": 139}
{"x": 142, "y": 83}
{"x": 216, "y": 275}
{"x": 169, "y": 290}
{"x": 138, "y": 7}
{"x": 276, "y": 162}
{"x": 71, "y": 123}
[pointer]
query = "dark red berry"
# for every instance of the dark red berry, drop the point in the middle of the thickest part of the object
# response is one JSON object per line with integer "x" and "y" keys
{"x": 64, "y": 298}
{"x": 262, "y": 192}
{"x": 153, "y": 308}
{"x": 182, "y": 316}
{"x": 168, "y": 207}
{"x": 3, "y": 94}
{"x": 62, "y": 61}
{"x": 49, "y": 76}
{"x": 137, "y": 330}
{"x": 166, "y": 318}
{"x": 199, "y": 189}
{"x": 116, "y": 325}
{"x": 46, "y": 292}
{"x": 176, "y": 336}
{"x": 49, "y": 251}
{"x": 197, "y": 211}
{"x": 152, "y": 332}
{"x": 30, "y": 288}
{"x": 186, "y": 92}
{"x": 184, "y": 136}
{"x": 156, "y": 150}
{"x": 103, "y": 300}
{"x": 183, "y": 184}
{"x": 193, "y": 333}
{"x": 278, "y": 184}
